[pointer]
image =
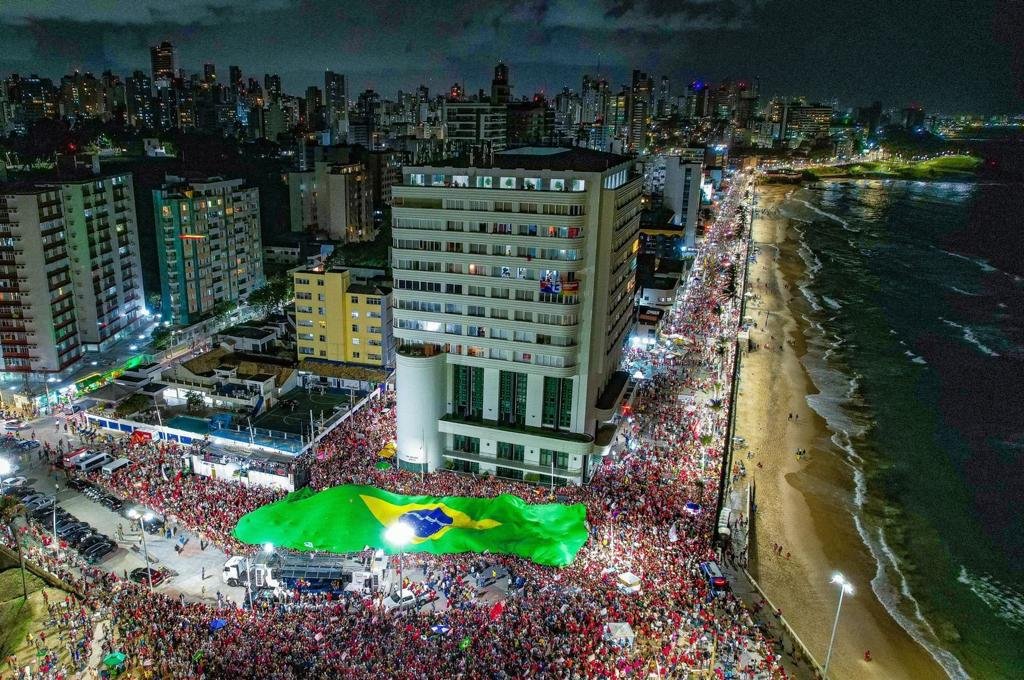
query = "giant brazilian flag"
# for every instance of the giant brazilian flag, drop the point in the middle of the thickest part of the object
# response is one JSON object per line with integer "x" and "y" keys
{"x": 350, "y": 517}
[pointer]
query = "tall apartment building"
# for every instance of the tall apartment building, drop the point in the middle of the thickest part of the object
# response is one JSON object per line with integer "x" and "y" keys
{"x": 683, "y": 177}
{"x": 513, "y": 295}
{"x": 161, "y": 59}
{"x": 209, "y": 244}
{"x": 38, "y": 327}
{"x": 103, "y": 241}
{"x": 341, "y": 321}
{"x": 335, "y": 199}
{"x": 476, "y": 124}
{"x": 70, "y": 274}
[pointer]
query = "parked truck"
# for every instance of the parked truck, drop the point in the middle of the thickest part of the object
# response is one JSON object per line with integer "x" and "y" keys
{"x": 308, "y": 572}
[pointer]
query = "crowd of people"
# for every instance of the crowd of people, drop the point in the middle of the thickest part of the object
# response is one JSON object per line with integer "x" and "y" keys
{"x": 650, "y": 511}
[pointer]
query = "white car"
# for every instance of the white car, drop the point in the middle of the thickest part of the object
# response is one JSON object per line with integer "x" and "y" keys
{"x": 14, "y": 425}
{"x": 396, "y": 603}
{"x": 12, "y": 482}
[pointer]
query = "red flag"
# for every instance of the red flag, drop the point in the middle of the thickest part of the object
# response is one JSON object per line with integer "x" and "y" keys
{"x": 497, "y": 609}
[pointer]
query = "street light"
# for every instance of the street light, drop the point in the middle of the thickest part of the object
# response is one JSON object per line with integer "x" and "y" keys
{"x": 400, "y": 535}
{"x": 143, "y": 518}
{"x": 845, "y": 588}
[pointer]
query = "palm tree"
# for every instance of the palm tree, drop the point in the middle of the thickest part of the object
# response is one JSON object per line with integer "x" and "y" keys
{"x": 10, "y": 508}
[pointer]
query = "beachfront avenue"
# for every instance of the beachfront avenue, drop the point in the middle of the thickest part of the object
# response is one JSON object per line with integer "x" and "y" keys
{"x": 651, "y": 591}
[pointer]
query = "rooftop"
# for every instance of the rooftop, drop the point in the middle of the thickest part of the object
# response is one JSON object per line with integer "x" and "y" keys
{"x": 557, "y": 158}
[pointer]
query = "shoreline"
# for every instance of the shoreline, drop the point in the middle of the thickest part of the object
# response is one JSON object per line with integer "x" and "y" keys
{"x": 805, "y": 504}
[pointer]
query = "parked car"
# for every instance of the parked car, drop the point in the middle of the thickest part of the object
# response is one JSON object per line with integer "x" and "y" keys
{"x": 12, "y": 482}
{"x": 71, "y": 529}
{"x": 89, "y": 541}
{"x": 140, "y": 576}
{"x": 396, "y": 603}
{"x": 14, "y": 425}
{"x": 78, "y": 484}
{"x": 28, "y": 445}
{"x": 98, "y": 551}
{"x": 79, "y": 536}
{"x": 111, "y": 502}
{"x": 40, "y": 503}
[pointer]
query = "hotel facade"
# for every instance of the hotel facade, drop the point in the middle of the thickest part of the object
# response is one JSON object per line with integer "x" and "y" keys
{"x": 513, "y": 296}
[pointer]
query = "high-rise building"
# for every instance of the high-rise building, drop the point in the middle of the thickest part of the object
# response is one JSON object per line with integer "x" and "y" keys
{"x": 683, "y": 175}
{"x": 208, "y": 245}
{"x": 531, "y": 123}
{"x": 476, "y": 124}
{"x": 37, "y": 298}
{"x": 805, "y": 121}
{"x": 333, "y": 199}
{"x": 640, "y": 100}
{"x": 513, "y": 294}
{"x": 501, "y": 91}
{"x": 101, "y": 230}
{"x": 141, "y": 111}
{"x": 664, "y": 105}
{"x": 335, "y": 99}
{"x": 698, "y": 100}
{"x": 70, "y": 273}
{"x": 272, "y": 86}
{"x": 209, "y": 73}
{"x": 338, "y": 320}
{"x": 161, "y": 58}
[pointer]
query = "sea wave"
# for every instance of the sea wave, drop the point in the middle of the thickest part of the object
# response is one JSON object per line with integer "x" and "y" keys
{"x": 890, "y": 596}
{"x": 1007, "y": 603}
{"x": 961, "y": 291}
{"x": 843, "y": 223}
{"x": 968, "y": 334}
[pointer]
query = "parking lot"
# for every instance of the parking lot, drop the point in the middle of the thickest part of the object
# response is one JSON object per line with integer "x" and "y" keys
{"x": 186, "y": 568}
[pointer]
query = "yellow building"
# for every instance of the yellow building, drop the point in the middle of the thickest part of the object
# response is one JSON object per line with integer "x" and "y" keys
{"x": 337, "y": 320}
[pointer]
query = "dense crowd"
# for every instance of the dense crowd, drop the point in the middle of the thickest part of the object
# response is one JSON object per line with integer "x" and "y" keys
{"x": 650, "y": 510}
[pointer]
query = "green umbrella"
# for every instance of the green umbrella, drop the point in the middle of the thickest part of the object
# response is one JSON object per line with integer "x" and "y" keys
{"x": 114, "y": 659}
{"x": 383, "y": 465}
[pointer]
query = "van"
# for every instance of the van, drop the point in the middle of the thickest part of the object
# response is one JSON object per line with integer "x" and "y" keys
{"x": 714, "y": 576}
{"x": 724, "y": 522}
{"x": 71, "y": 458}
{"x": 91, "y": 462}
{"x": 115, "y": 465}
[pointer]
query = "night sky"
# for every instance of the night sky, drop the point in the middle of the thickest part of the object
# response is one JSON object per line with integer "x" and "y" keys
{"x": 948, "y": 55}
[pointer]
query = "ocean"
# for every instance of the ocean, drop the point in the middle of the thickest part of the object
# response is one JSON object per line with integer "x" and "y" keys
{"x": 915, "y": 336}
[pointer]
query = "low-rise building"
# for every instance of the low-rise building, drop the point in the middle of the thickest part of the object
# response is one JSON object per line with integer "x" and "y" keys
{"x": 342, "y": 321}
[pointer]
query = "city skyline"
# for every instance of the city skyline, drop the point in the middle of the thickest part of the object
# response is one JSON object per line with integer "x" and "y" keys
{"x": 889, "y": 52}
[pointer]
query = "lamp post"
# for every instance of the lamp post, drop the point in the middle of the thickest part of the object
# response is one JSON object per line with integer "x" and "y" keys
{"x": 845, "y": 588}
{"x": 143, "y": 518}
{"x": 399, "y": 535}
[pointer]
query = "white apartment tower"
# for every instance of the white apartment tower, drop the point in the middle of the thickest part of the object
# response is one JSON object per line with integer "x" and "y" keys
{"x": 513, "y": 295}
{"x": 38, "y": 328}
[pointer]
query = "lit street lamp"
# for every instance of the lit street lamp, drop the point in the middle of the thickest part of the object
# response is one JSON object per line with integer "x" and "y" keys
{"x": 143, "y": 518}
{"x": 845, "y": 588}
{"x": 400, "y": 535}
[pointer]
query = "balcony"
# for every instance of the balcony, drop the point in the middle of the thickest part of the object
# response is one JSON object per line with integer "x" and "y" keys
{"x": 518, "y": 465}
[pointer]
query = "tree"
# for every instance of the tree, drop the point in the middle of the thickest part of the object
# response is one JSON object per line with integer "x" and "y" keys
{"x": 271, "y": 297}
{"x": 194, "y": 402}
{"x": 161, "y": 337}
{"x": 11, "y": 507}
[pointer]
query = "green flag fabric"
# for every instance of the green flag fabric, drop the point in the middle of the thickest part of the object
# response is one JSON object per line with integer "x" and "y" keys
{"x": 350, "y": 517}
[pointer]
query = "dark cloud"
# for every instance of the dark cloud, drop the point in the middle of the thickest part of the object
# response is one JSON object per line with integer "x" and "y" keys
{"x": 948, "y": 54}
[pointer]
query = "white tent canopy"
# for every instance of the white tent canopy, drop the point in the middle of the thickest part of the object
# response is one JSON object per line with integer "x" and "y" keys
{"x": 619, "y": 633}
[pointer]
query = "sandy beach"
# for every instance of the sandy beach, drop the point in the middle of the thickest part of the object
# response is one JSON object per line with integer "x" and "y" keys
{"x": 804, "y": 504}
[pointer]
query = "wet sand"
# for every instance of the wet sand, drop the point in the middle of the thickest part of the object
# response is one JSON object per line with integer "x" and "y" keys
{"x": 804, "y": 505}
